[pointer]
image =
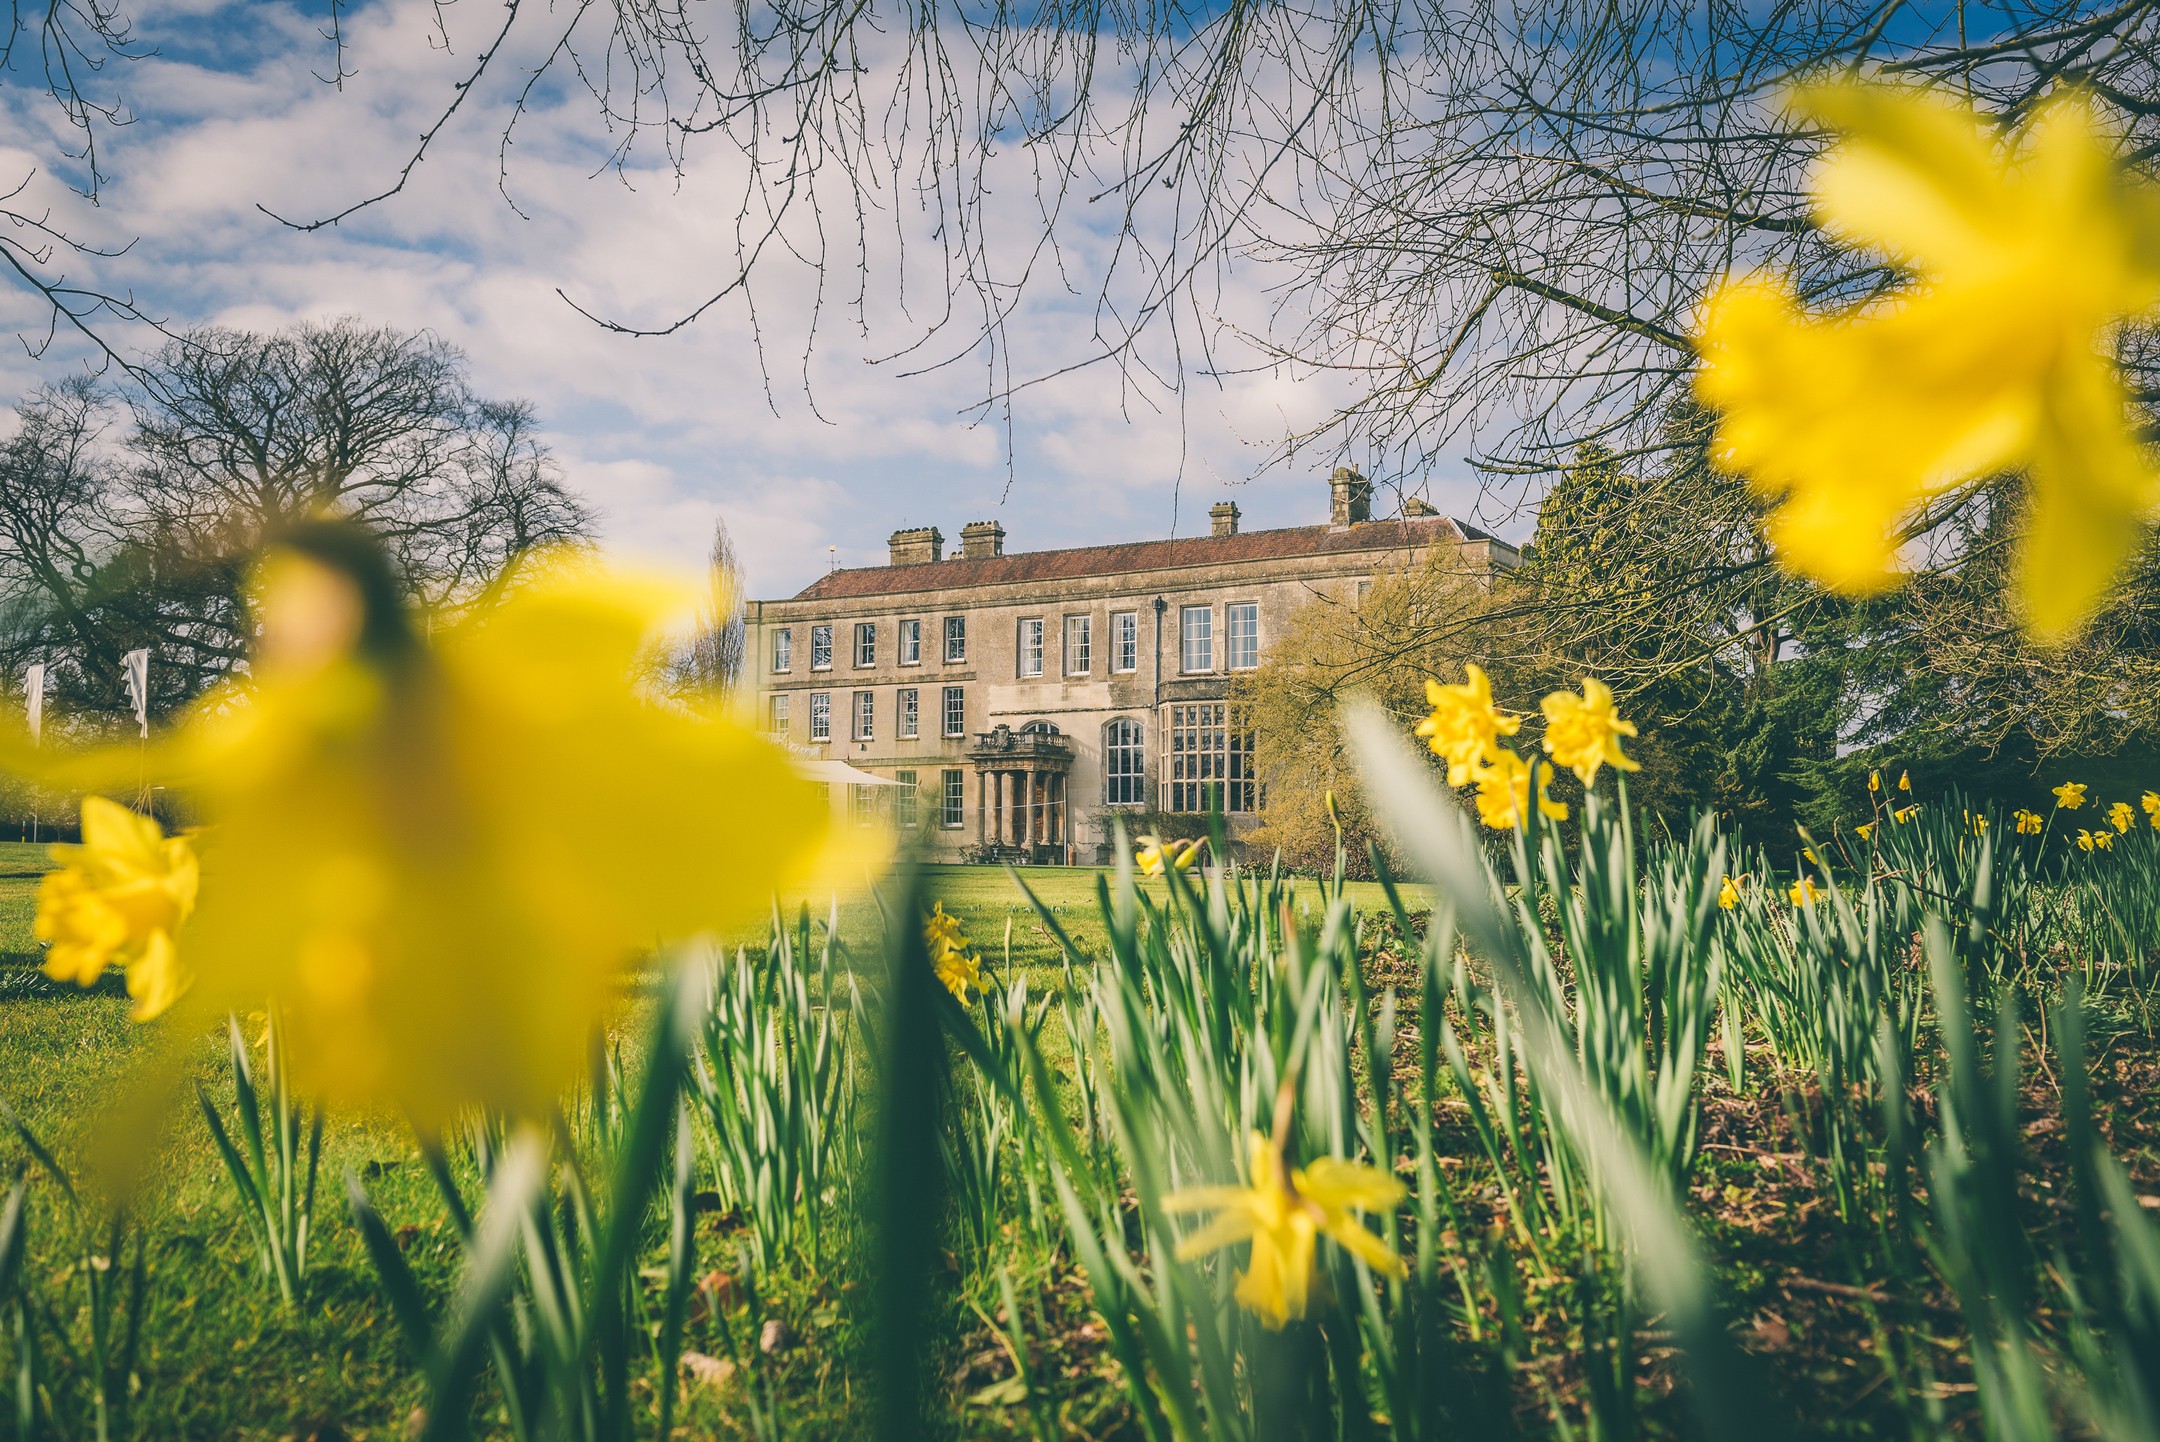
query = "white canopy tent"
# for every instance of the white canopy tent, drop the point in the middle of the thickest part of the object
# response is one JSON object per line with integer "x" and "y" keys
{"x": 853, "y": 793}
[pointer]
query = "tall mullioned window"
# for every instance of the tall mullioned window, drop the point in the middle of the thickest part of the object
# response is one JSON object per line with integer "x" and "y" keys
{"x": 910, "y": 715}
{"x": 865, "y": 714}
{"x": 1079, "y": 638}
{"x": 821, "y": 648}
{"x": 821, "y": 715}
{"x": 955, "y": 711}
{"x": 1125, "y": 640}
{"x": 779, "y": 715}
{"x": 910, "y": 799}
{"x": 1241, "y": 622}
{"x": 783, "y": 650}
{"x": 1031, "y": 646}
{"x": 911, "y": 643}
{"x": 955, "y": 640}
{"x": 1196, "y": 638}
{"x": 954, "y": 801}
{"x": 866, "y": 643}
{"x": 1124, "y": 763}
{"x": 1211, "y": 760}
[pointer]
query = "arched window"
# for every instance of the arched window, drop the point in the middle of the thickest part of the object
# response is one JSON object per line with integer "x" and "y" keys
{"x": 1038, "y": 728}
{"x": 1124, "y": 763}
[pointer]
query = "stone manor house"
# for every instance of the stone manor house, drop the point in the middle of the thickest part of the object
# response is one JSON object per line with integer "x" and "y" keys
{"x": 1021, "y": 700}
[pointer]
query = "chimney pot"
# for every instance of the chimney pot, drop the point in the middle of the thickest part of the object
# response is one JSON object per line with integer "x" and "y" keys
{"x": 917, "y": 547}
{"x": 1349, "y": 497}
{"x": 1417, "y": 508}
{"x": 1225, "y": 516}
{"x": 981, "y": 539}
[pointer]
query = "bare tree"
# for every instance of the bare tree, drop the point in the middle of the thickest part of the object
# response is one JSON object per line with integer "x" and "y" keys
{"x": 113, "y": 538}
{"x": 712, "y": 662}
{"x": 1494, "y": 218}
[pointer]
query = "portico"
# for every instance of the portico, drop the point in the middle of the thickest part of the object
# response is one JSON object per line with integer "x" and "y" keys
{"x": 1020, "y": 790}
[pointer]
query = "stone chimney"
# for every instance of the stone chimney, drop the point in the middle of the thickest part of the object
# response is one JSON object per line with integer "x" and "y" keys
{"x": 918, "y": 547}
{"x": 1350, "y": 498}
{"x": 1417, "y": 508}
{"x": 1224, "y": 514}
{"x": 980, "y": 539}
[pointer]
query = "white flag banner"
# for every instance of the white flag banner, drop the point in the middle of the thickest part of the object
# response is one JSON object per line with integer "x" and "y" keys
{"x": 34, "y": 700}
{"x": 137, "y": 665}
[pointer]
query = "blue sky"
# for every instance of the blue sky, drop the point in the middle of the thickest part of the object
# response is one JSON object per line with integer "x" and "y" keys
{"x": 662, "y": 434}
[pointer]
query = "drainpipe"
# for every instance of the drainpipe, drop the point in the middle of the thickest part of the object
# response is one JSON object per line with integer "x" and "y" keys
{"x": 1161, "y": 607}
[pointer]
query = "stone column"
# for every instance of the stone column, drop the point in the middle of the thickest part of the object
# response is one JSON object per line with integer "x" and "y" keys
{"x": 982, "y": 793}
{"x": 997, "y": 807}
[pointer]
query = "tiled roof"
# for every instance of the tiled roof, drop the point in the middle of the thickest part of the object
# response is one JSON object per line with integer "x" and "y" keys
{"x": 1190, "y": 551}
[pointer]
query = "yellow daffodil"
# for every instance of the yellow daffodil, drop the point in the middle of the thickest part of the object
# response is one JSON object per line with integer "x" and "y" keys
{"x": 941, "y": 931}
{"x": 1729, "y": 894}
{"x": 1809, "y": 853}
{"x": 2121, "y": 817}
{"x": 2085, "y": 840}
{"x": 2070, "y": 795}
{"x": 406, "y": 859}
{"x": 1998, "y": 356}
{"x": 2151, "y": 802}
{"x": 1864, "y": 830}
{"x": 1874, "y": 781}
{"x": 960, "y": 971}
{"x": 1465, "y": 726}
{"x": 1583, "y": 732}
{"x": 1503, "y": 791}
{"x": 1155, "y": 855}
{"x": 1283, "y": 1212}
{"x": 1904, "y": 814}
{"x": 1979, "y": 823}
{"x": 119, "y": 899}
{"x": 1904, "y": 781}
{"x": 2029, "y": 823}
{"x": 1802, "y": 892}
{"x": 2105, "y": 840}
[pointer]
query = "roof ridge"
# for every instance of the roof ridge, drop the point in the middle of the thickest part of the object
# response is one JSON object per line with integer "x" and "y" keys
{"x": 1159, "y": 553}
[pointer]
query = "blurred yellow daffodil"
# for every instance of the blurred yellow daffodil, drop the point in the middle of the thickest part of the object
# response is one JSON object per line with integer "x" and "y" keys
{"x": 2105, "y": 840}
{"x": 1997, "y": 357}
{"x": 1864, "y": 830}
{"x": 1283, "y": 1211}
{"x": 1904, "y": 814}
{"x": 119, "y": 899}
{"x": 406, "y": 854}
{"x": 1465, "y": 726}
{"x": 1904, "y": 781}
{"x": 2070, "y": 795}
{"x": 1583, "y": 732}
{"x": 2121, "y": 817}
{"x": 1802, "y": 892}
{"x": 2029, "y": 823}
{"x": 1155, "y": 855}
{"x": 1728, "y": 895}
{"x": 2150, "y": 801}
{"x": 1874, "y": 781}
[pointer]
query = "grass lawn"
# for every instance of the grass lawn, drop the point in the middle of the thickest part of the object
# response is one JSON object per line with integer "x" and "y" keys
{"x": 221, "y": 1358}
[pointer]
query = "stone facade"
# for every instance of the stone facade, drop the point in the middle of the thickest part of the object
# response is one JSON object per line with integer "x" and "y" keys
{"x": 1024, "y": 699}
